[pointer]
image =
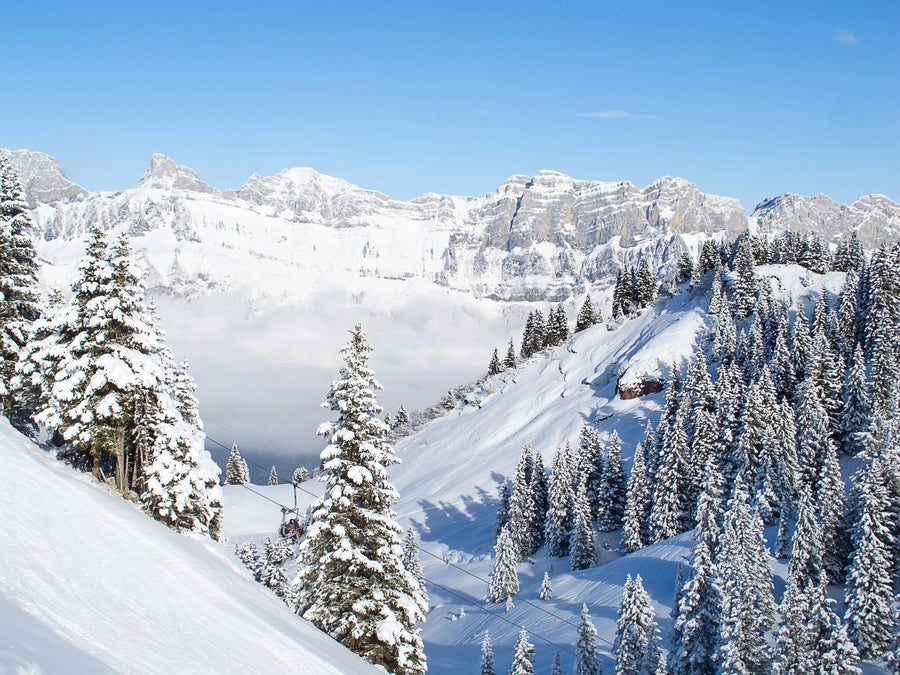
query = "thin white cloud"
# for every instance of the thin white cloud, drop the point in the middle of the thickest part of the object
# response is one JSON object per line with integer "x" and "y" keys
{"x": 845, "y": 37}
{"x": 611, "y": 115}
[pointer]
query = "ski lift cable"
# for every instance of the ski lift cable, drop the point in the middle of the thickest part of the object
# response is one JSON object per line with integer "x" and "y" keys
{"x": 429, "y": 553}
{"x": 501, "y": 617}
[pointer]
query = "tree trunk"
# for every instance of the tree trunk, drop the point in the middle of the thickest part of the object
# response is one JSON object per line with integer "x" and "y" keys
{"x": 95, "y": 469}
{"x": 120, "y": 460}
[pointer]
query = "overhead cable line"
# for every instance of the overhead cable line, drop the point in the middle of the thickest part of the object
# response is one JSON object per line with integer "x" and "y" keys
{"x": 429, "y": 553}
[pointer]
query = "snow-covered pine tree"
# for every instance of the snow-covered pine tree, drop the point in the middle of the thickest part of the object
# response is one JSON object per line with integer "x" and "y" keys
{"x": 546, "y": 588}
{"x": 300, "y": 475}
{"x": 744, "y": 588}
{"x": 746, "y": 284}
{"x": 634, "y": 529}
{"x": 504, "y": 580}
{"x": 272, "y": 574}
{"x": 510, "y": 360}
{"x": 527, "y": 345}
{"x": 709, "y": 256}
{"x": 587, "y": 317}
{"x": 180, "y": 481}
{"x": 539, "y": 335}
{"x": 694, "y": 632}
{"x": 668, "y": 475}
{"x": 581, "y": 544}
{"x": 401, "y": 419}
{"x": 801, "y": 346}
{"x": 273, "y": 476}
{"x": 856, "y": 413}
{"x": 587, "y": 656}
{"x": 522, "y": 510}
{"x": 540, "y": 488}
{"x": 494, "y": 366}
{"x": 236, "y": 470}
{"x": 614, "y": 487}
{"x": 19, "y": 304}
{"x": 411, "y": 562}
{"x": 646, "y": 285}
{"x": 589, "y": 463}
{"x": 556, "y": 667}
{"x": 487, "y": 656}
{"x": 558, "y": 527}
{"x": 684, "y": 267}
{"x": 353, "y": 584}
{"x": 869, "y": 589}
{"x": 502, "y": 517}
{"x": 811, "y": 636}
{"x": 523, "y": 656}
{"x": 621, "y": 302}
{"x": 636, "y": 647}
{"x": 249, "y": 556}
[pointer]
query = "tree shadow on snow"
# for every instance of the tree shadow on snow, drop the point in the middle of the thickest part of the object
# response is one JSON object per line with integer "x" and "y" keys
{"x": 465, "y": 526}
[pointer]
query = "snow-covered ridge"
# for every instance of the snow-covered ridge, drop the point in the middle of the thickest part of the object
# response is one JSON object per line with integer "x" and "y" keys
{"x": 546, "y": 236}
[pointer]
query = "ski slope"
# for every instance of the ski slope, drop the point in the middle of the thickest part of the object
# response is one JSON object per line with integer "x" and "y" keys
{"x": 90, "y": 584}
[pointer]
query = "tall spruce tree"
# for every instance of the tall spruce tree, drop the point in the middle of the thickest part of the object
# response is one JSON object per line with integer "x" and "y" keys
{"x": 19, "y": 305}
{"x": 581, "y": 545}
{"x": 523, "y": 655}
{"x": 510, "y": 360}
{"x": 587, "y": 317}
{"x": 869, "y": 589}
{"x": 587, "y": 656}
{"x": 560, "y": 517}
{"x": 354, "y": 585}
{"x": 494, "y": 366}
{"x": 634, "y": 530}
{"x": 236, "y": 470}
{"x": 504, "y": 580}
{"x": 411, "y": 562}
{"x": 502, "y": 517}
{"x": 636, "y": 647}
{"x": 522, "y": 508}
{"x": 487, "y": 656}
{"x": 744, "y": 588}
{"x": 614, "y": 488}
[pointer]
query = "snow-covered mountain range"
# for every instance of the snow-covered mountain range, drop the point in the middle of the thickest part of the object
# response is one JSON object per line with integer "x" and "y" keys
{"x": 257, "y": 285}
{"x": 541, "y": 237}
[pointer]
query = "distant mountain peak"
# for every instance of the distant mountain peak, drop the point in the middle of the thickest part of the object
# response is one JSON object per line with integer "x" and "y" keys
{"x": 165, "y": 174}
{"x": 42, "y": 178}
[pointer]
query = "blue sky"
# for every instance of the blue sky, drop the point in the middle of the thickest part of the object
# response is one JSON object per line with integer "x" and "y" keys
{"x": 745, "y": 100}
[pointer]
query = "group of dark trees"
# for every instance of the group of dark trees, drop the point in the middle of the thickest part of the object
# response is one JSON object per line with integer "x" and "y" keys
{"x": 750, "y": 435}
{"x": 584, "y": 493}
{"x": 97, "y": 373}
{"x": 636, "y": 288}
{"x": 539, "y": 334}
{"x": 785, "y": 396}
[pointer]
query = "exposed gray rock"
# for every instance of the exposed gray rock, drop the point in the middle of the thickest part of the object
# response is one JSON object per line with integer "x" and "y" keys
{"x": 543, "y": 237}
{"x": 42, "y": 178}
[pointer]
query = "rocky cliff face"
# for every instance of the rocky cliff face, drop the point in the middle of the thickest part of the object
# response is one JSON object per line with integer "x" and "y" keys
{"x": 42, "y": 178}
{"x": 542, "y": 237}
{"x": 873, "y": 217}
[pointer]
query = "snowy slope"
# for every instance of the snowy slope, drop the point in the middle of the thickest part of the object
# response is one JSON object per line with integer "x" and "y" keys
{"x": 451, "y": 470}
{"x": 89, "y": 584}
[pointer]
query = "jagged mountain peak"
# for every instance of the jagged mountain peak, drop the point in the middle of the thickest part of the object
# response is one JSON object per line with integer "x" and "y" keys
{"x": 164, "y": 174}
{"x": 42, "y": 178}
{"x": 873, "y": 217}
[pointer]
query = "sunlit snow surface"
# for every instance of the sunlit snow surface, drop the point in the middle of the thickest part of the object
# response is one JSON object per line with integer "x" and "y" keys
{"x": 89, "y": 584}
{"x": 451, "y": 470}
